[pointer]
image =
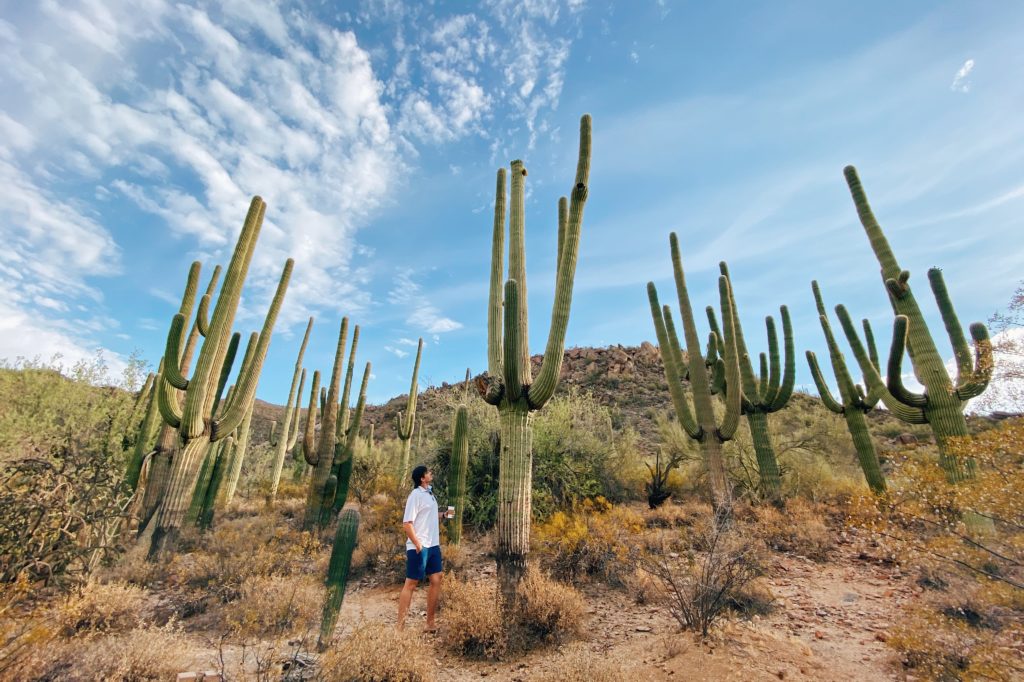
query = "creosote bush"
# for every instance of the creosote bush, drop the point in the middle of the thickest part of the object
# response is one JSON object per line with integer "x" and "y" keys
{"x": 547, "y": 611}
{"x": 98, "y": 607}
{"x": 471, "y": 622}
{"x": 799, "y": 528}
{"x": 275, "y": 606}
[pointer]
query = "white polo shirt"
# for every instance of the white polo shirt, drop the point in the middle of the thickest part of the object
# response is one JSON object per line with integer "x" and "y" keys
{"x": 421, "y": 509}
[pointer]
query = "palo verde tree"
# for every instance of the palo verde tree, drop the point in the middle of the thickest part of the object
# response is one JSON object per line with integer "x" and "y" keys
{"x": 194, "y": 420}
{"x": 699, "y": 423}
{"x": 942, "y": 402}
{"x": 509, "y": 384}
{"x": 854, "y": 403}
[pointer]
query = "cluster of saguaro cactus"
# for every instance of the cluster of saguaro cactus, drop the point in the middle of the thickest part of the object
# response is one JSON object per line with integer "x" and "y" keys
{"x": 337, "y": 573}
{"x": 699, "y": 423}
{"x": 289, "y": 433}
{"x": 763, "y": 394}
{"x": 941, "y": 403}
{"x": 509, "y": 384}
{"x": 854, "y": 402}
{"x": 405, "y": 423}
{"x": 195, "y": 421}
{"x": 330, "y": 455}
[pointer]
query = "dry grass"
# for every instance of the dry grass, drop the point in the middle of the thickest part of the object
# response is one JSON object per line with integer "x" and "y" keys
{"x": 799, "y": 528}
{"x": 753, "y": 599}
{"x": 377, "y": 653}
{"x": 275, "y": 606}
{"x": 97, "y": 607}
{"x": 456, "y": 558}
{"x": 143, "y": 654}
{"x": 546, "y": 610}
{"x": 672, "y": 515}
{"x": 641, "y": 586}
{"x": 472, "y": 624}
{"x": 579, "y": 664}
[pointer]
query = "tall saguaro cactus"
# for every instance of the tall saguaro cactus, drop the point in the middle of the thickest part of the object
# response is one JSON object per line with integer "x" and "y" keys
{"x": 509, "y": 383}
{"x": 406, "y": 424}
{"x": 763, "y": 394}
{"x": 289, "y": 433}
{"x": 699, "y": 423}
{"x": 459, "y": 465}
{"x": 337, "y": 573}
{"x": 942, "y": 403}
{"x": 195, "y": 420}
{"x": 167, "y": 441}
{"x": 855, "y": 403}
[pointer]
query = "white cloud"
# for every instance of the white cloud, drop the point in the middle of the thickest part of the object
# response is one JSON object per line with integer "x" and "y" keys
{"x": 961, "y": 82}
{"x": 420, "y": 312}
{"x": 398, "y": 352}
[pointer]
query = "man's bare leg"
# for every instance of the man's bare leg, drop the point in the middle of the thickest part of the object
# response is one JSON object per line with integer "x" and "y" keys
{"x": 432, "y": 594}
{"x": 405, "y": 599}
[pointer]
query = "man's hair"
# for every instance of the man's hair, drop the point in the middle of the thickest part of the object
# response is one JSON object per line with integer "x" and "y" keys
{"x": 418, "y": 473}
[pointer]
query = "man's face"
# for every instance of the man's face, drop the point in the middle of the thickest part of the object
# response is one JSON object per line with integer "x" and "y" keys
{"x": 428, "y": 478}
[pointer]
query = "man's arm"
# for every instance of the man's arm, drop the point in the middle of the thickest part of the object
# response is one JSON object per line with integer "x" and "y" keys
{"x": 411, "y": 534}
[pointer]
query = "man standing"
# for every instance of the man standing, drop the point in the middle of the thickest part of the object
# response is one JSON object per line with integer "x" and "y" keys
{"x": 422, "y": 545}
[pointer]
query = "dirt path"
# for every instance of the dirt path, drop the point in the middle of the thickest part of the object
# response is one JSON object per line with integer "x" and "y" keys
{"x": 828, "y": 624}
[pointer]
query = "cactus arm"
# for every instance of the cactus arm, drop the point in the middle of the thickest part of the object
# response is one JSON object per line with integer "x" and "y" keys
{"x": 309, "y": 438}
{"x": 733, "y": 399}
{"x": 357, "y": 416}
{"x": 293, "y": 432}
{"x": 494, "y": 307}
{"x": 199, "y": 399}
{"x": 400, "y": 427}
{"x": 869, "y": 339}
{"x": 514, "y": 339}
{"x": 167, "y": 403}
{"x": 961, "y": 351}
{"x": 249, "y": 380}
{"x": 172, "y": 372}
{"x": 225, "y": 370}
{"x": 789, "y": 364}
{"x": 250, "y": 349}
{"x": 406, "y": 426}
{"x": 669, "y": 355}
{"x": 763, "y": 376}
{"x": 273, "y": 440}
{"x": 911, "y": 415}
{"x": 145, "y": 429}
{"x": 827, "y": 399}
{"x": 517, "y": 273}
{"x": 713, "y": 323}
{"x": 563, "y": 221}
{"x": 202, "y": 319}
{"x": 894, "y": 369}
{"x": 465, "y": 387}
{"x": 323, "y": 400}
{"x": 879, "y": 244}
{"x": 193, "y": 337}
{"x": 343, "y": 417}
{"x": 983, "y": 364}
{"x": 568, "y": 249}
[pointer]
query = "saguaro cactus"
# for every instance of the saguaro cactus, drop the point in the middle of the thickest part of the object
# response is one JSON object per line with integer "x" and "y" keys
{"x": 194, "y": 420}
{"x": 328, "y": 453}
{"x": 406, "y": 424}
{"x": 238, "y": 453}
{"x": 337, "y": 573}
{"x": 289, "y": 433}
{"x": 509, "y": 383}
{"x": 699, "y": 423}
{"x": 344, "y": 449}
{"x": 459, "y": 465}
{"x": 855, "y": 402}
{"x": 167, "y": 441}
{"x": 763, "y": 394}
{"x": 145, "y": 434}
{"x": 942, "y": 402}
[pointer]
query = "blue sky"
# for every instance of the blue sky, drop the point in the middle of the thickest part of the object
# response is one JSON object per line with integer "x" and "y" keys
{"x": 133, "y": 132}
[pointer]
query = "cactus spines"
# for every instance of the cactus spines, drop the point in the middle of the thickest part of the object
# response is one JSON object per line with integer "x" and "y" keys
{"x": 699, "y": 423}
{"x": 767, "y": 392}
{"x": 197, "y": 426}
{"x": 509, "y": 384}
{"x": 459, "y": 465}
{"x": 405, "y": 424}
{"x": 943, "y": 400}
{"x": 290, "y": 422}
{"x": 337, "y": 573}
{"x": 853, "y": 402}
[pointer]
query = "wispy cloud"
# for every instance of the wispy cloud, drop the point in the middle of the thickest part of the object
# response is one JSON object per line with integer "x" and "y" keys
{"x": 420, "y": 313}
{"x": 962, "y": 81}
{"x": 397, "y": 352}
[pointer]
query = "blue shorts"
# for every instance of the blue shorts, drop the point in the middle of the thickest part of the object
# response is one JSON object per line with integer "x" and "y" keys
{"x": 418, "y": 565}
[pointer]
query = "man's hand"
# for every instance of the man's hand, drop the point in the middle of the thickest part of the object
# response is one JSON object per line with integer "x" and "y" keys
{"x": 419, "y": 547}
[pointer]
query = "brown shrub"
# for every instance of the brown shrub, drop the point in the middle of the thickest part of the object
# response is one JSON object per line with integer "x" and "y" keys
{"x": 671, "y": 515}
{"x": 641, "y": 586}
{"x": 752, "y": 599}
{"x": 472, "y": 622}
{"x": 143, "y": 654}
{"x": 579, "y": 664}
{"x": 97, "y": 607}
{"x": 546, "y": 610}
{"x": 456, "y": 558}
{"x": 274, "y": 605}
{"x": 380, "y": 552}
{"x": 799, "y": 529}
{"x": 376, "y": 652}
